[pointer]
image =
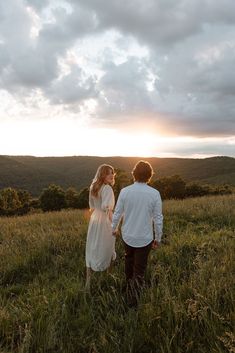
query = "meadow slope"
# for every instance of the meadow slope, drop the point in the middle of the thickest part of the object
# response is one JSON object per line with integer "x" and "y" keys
{"x": 187, "y": 305}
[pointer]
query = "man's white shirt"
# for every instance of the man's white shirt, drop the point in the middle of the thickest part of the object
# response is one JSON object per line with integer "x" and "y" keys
{"x": 140, "y": 208}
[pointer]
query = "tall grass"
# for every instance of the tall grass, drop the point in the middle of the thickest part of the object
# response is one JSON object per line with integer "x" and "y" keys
{"x": 187, "y": 305}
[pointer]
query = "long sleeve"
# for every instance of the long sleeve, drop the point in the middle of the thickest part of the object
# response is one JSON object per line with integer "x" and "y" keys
{"x": 119, "y": 209}
{"x": 158, "y": 218}
{"x": 91, "y": 201}
{"x": 107, "y": 198}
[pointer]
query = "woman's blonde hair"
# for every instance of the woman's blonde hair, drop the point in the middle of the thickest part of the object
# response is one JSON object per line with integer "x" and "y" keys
{"x": 98, "y": 181}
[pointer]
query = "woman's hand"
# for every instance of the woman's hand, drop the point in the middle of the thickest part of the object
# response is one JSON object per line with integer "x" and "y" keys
{"x": 115, "y": 233}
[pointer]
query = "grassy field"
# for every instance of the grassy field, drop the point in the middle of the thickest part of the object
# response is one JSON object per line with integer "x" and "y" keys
{"x": 188, "y": 305}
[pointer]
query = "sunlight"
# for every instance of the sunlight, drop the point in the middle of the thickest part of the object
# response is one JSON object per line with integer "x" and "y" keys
{"x": 68, "y": 137}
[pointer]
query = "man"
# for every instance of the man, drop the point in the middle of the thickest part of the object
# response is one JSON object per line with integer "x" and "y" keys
{"x": 140, "y": 207}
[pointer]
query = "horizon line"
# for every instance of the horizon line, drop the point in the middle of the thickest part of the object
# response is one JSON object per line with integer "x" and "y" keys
{"x": 115, "y": 156}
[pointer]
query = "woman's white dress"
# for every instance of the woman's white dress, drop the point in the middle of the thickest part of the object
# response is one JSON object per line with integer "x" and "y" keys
{"x": 100, "y": 245}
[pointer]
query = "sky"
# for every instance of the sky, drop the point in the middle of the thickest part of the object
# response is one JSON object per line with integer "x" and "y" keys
{"x": 117, "y": 78}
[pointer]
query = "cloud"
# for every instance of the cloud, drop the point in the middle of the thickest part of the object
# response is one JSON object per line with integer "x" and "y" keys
{"x": 197, "y": 85}
{"x": 162, "y": 22}
{"x": 38, "y": 5}
{"x": 179, "y": 78}
{"x": 72, "y": 88}
{"x": 24, "y": 64}
{"x": 201, "y": 147}
{"x": 123, "y": 89}
{"x": 32, "y": 62}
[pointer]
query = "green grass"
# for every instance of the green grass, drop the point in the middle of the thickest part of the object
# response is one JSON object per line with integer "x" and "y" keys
{"x": 187, "y": 306}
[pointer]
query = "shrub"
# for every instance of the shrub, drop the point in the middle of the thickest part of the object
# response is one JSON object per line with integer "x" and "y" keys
{"x": 52, "y": 198}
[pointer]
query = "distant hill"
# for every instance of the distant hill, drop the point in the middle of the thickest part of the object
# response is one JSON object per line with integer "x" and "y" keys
{"x": 35, "y": 173}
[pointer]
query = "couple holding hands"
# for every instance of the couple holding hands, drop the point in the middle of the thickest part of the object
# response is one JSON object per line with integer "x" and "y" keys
{"x": 139, "y": 209}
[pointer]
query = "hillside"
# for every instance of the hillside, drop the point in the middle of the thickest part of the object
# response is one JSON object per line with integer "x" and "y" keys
{"x": 35, "y": 173}
{"x": 187, "y": 305}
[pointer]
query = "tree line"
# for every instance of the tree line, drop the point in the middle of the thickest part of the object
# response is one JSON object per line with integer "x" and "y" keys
{"x": 54, "y": 198}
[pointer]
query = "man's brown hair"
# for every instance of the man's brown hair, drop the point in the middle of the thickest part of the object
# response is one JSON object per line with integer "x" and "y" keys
{"x": 142, "y": 172}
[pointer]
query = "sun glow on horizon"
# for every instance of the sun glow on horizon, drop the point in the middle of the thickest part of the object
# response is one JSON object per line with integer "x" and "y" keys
{"x": 65, "y": 137}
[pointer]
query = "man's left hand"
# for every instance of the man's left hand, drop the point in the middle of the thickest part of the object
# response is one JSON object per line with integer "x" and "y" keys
{"x": 155, "y": 244}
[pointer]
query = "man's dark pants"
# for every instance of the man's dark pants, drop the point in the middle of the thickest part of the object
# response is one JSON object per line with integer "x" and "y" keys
{"x": 135, "y": 265}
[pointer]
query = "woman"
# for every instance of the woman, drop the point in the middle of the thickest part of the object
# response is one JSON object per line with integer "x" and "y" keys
{"x": 100, "y": 245}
